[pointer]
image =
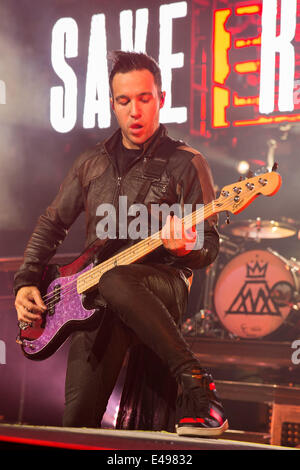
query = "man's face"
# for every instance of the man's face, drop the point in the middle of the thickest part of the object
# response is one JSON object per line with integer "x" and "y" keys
{"x": 136, "y": 103}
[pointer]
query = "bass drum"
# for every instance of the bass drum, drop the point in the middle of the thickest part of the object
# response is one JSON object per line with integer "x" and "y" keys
{"x": 254, "y": 294}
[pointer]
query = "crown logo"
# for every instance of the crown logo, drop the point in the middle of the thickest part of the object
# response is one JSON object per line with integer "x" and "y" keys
{"x": 256, "y": 270}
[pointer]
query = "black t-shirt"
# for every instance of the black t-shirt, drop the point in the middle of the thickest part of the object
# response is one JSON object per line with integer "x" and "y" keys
{"x": 124, "y": 157}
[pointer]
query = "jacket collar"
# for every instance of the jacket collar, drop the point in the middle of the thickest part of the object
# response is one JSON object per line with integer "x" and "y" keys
{"x": 148, "y": 147}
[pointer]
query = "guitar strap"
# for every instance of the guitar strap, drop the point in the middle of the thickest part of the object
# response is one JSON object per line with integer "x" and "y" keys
{"x": 155, "y": 165}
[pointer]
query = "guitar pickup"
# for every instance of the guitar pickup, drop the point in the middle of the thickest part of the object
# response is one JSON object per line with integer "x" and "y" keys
{"x": 54, "y": 299}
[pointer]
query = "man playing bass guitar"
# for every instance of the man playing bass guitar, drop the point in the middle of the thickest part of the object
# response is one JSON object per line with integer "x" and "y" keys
{"x": 144, "y": 301}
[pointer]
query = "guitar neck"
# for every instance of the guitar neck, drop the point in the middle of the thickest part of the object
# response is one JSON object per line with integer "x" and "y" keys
{"x": 130, "y": 255}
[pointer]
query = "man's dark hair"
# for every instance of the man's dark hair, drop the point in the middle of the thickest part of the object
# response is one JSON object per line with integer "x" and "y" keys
{"x": 124, "y": 62}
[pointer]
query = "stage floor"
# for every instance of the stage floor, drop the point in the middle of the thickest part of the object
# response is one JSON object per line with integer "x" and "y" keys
{"x": 111, "y": 440}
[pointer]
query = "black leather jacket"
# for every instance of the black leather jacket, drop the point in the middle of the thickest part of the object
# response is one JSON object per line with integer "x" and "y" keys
{"x": 94, "y": 179}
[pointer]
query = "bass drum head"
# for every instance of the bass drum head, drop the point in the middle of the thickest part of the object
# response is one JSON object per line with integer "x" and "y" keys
{"x": 253, "y": 294}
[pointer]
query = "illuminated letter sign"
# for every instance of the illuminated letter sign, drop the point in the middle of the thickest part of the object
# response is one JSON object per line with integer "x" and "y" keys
{"x": 63, "y": 100}
{"x": 169, "y": 61}
{"x": 97, "y": 83}
{"x": 255, "y": 68}
{"x": 270, "y": 44}
{"x": 141, "y": 29}
{"x": 96, "y": 110}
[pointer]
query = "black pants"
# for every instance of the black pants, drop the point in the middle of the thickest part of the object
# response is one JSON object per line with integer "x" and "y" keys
{"x": 145, "y": 305}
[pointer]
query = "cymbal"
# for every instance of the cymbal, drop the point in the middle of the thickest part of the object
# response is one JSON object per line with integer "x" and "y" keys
{"x": 260, "y": 229}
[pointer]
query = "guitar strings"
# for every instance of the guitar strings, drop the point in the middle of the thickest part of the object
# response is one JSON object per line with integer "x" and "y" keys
{"x": 53, "y": 296}
{"x": 69, "y": 288}
{"x": 138, "y": 249}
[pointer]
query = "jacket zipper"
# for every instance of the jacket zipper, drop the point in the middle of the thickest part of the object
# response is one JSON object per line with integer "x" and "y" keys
{"x": 119, "y": 178}
{"x": 117, "y": 191}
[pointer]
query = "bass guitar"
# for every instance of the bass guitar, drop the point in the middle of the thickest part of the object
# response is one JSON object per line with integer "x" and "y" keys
{"x": 65, "y": 288}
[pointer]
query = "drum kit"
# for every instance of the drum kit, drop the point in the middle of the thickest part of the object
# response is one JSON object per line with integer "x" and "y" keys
{"x": 248, "y": 292}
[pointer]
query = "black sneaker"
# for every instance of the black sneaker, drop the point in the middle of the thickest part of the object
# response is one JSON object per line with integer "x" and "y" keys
{"x": 199, "y": 409}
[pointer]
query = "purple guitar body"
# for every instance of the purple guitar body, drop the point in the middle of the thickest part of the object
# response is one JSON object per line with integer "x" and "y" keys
{"x": 67, "y": 310}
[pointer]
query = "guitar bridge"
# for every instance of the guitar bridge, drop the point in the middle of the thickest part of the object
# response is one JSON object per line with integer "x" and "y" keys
{"x": 24, "y": 343}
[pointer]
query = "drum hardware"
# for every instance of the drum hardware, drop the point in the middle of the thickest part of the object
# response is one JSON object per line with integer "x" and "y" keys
{"x": 294, "y": 266}
{"x": 198, "y": 325}
{"x": 283, "y": 294}
{"x": 205, "y": 322}
{"x": 290, "y": 221}
{"x": 202, "y": 322}
{"x": 228, "y": 247}
{"x": 259, "y": 229}
{"x": 189, "y": 327}
{"x": 272, "y": 144}
{"x": 205, "y": 319}
{"x": 291, "y": 263}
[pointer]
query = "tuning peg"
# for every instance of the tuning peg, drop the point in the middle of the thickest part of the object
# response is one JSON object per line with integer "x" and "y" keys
{"x": 275, "y": 167}
{"x": 250, "y": 174}
{"x": 242, "y": 178}
{"x": 227, "y": 221}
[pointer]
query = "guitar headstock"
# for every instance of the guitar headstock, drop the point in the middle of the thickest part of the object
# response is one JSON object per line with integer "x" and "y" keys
{"x": 237, "y": 196}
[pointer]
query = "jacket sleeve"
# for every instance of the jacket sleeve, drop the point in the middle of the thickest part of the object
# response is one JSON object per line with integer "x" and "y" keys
{"x": 196, "y": 187}
{"x": 50, "y": 230}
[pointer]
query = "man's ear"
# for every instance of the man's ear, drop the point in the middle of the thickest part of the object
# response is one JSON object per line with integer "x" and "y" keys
{"x": 112, "y": 103}
{"x": 162, "y": 99}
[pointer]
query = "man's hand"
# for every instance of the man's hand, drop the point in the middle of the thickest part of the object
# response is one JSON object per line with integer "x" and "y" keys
{"x": 176, "y": 239}
{"x": 29, "y": 304}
